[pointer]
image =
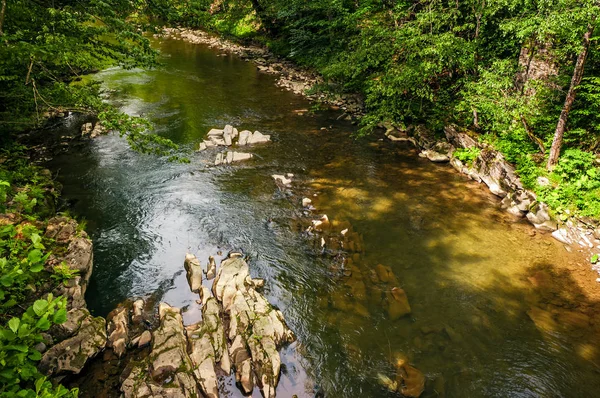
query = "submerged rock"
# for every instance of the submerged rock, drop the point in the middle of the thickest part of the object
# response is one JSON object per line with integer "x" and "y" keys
{"x": 231, "y": 157}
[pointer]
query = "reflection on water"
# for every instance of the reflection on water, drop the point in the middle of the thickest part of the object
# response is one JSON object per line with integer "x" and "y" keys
{"x": 492, "y": 311}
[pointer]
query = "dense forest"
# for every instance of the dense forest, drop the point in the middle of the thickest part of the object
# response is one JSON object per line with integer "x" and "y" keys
{"x": 523, "y": 75}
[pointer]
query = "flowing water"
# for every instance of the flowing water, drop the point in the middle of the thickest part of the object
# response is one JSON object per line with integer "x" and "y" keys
{"x": 494, "y": 313}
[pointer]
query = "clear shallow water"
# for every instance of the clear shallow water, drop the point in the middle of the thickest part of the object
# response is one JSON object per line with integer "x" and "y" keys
{"x": 471, "y": 273}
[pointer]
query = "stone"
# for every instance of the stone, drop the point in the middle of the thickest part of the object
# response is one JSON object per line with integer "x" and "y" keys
{"x": 211, "y": 270}
{"x": 228, "y": 130}
{"x": 258, "y": 138}
{"x": 145, "y": 339}
{"x": 410, "y": 380}
{"x": 169, "y": 345}
{"x": 562, "y": 235}
{"x": 215, "y": 133}
{"x": 306, "y": 202}
{"x": 254, "y": 324}
{"x": 283, "y": 180}
{"x": 397, "y": 302}
{"x": 70, "y": 355}
{"x": 138, "y": 385}
{"x": 240, "y": 156}
{"x": 244, "y": 136}
{"x": 203, "y": 360}
{"x": 459, "y": 139}
{"x": 538, "y": 213}
{"x": 193, "y": 272}
{"x": 543, "y": 181}
{"x": 118, "y": 329}
{"x": 202, "y": 146}
{"x": 498, "y": 174}
{"x": 434, "y": 156}
{"x": 219, "y": 159}
{"x": 137, "y": 309}
{"x": 242, "y": 361}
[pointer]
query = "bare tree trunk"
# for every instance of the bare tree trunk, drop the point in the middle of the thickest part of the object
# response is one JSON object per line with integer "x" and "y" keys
{"x": 564, "y": 114}
{"x": 2, "y": 14}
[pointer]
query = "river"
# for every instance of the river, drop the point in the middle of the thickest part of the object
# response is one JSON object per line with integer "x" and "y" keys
{"x": 476, "y": 278}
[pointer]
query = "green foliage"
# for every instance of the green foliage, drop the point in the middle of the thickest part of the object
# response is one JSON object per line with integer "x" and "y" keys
{"x": 467, "y": 155}
{"x": 63, "y": 273}
{"x": 26, "y": 194}
{"x": 575, "y": 184}
{"x": 19, "y": 376}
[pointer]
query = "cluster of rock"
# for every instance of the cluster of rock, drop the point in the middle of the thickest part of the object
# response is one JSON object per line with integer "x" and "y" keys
{"x": 92, "y": 130}
{"x": 491, "y": 168}
{"x": 231, "y": 136}
{"x": 290, "y": 76}
{"x": 240, "y": 331}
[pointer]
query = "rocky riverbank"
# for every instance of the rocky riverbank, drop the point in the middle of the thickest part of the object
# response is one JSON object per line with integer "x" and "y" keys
{"x": 147, "y": 355}
{"x": 491, "y": 168}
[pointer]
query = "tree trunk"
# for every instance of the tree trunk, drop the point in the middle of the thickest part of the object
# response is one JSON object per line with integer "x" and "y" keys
{"x": 564, "y": 114}
{"x": 2, "y": 14}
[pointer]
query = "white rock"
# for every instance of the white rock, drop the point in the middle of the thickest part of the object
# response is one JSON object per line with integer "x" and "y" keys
{"x": 215, "y": 133}
{"x": 543, "y": 181}
{"x": 201, "y": 147}
{"x": 306, "y": 202}
{"x": 282, "y": 179}
{"x": 562, "y": 235}
{"x": 244, "y": 136}
{"x": 258, "y": 138}
{"x": 240, "y": 156}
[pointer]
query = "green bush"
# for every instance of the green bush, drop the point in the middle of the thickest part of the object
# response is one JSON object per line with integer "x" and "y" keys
{"x": 467, "y": 155}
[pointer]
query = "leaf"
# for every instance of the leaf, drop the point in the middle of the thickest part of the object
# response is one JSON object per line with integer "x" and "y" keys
{"x": 36, "y": 268}
{"x": 13, "y": 324}
{"x": 39, "y": 307}
{"x": 594, "y": 258}
{"x": 17, "y": 347}
{"x": 43, "y": 323}
{"x": 35, "y": 355}
{"x": 34, "y": 256}
{"x": 60, "y": 316}
{"x": 7, "y": 280}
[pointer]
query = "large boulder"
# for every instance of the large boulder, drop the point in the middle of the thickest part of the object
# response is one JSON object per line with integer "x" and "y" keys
{"x": 499, "y": 175}
{"x": 70, "y": 355}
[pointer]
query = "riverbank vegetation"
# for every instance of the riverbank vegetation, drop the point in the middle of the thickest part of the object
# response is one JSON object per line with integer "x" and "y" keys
{"x": 27, "y": 200}
{"x": 523, "y": 75}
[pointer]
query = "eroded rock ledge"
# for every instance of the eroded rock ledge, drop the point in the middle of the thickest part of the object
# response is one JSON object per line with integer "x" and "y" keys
{"x": 240, "y": 331}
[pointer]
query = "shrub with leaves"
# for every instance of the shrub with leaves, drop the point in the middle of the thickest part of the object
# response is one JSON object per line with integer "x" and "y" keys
{"x": 19, "y": 376}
